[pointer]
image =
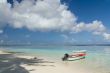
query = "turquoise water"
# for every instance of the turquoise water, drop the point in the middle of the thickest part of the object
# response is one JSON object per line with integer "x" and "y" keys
{"x": 97, "y": 56}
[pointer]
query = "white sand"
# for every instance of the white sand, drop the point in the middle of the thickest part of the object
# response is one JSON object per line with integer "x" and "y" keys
{"x": 57, "y": 67}
{"x": 3, "y": 52}
{"x": 24, "y": 56}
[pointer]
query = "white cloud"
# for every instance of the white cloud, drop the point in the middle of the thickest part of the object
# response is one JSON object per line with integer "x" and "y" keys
{"x": 45, "y": 15}
{"x": 3, "y": 1}
{"x": 1, "y": 31}
{"x": 95, "y": 26}
{"x": 106, "y": 36}
{"x": 64, "y": 36}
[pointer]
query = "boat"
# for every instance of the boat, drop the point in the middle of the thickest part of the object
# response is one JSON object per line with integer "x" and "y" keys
{"x": 76, "y": 58}
{"x": 76, "y": 55}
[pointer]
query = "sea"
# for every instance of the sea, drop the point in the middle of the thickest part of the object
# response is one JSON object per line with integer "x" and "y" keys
{"x": 98, "y": 57}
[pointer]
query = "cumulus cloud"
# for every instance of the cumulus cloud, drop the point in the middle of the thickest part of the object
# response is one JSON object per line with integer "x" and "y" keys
{"x": 46, "y": 15}
{"x": 95, "y": 26}
{"x": 42, "y": 15}
{"x": 106, "y": 36}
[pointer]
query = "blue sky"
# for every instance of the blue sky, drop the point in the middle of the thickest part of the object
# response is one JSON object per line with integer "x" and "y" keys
{"x": 89, "y": 10}
{"x": 85, "y": 11}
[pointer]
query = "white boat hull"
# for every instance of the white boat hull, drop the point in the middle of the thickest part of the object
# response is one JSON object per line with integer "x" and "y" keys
{"x": 75, "y": 58}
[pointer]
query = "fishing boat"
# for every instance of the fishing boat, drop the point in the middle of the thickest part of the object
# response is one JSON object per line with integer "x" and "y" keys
{"x": 76, "y": 55}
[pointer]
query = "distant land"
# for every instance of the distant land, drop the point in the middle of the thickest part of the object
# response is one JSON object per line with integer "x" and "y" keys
{"x": 54, "y": 44}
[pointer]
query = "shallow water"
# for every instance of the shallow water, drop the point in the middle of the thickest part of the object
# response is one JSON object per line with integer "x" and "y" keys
{"x": 97, "y": 56}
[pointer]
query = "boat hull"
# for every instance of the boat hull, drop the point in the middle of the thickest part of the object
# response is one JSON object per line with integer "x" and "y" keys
{"x": 75, "y": 58}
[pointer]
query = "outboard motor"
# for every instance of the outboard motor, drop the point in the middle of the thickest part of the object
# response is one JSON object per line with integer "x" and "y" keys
{"x": 65, "y": 57}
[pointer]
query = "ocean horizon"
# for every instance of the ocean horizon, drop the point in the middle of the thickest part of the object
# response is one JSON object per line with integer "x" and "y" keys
{"x": 54, "y": 36}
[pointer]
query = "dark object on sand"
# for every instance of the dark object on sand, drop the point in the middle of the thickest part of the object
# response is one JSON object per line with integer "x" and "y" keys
{"x": 65, "y": 57}
{"x": 35, "y": 57}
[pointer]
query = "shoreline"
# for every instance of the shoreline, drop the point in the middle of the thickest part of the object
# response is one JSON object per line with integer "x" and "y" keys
{"x": 45, "y": 65}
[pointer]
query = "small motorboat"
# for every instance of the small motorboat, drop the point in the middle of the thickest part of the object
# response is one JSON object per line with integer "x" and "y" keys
{"x": 77, "y": 55}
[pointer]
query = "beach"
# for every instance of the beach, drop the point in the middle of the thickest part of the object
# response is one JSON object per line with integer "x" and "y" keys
{"x": 48, "y": 36}
{"x": 21, "y": 63}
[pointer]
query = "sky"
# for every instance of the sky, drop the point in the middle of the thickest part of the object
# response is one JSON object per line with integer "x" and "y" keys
{"x": 54, "y": 21}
